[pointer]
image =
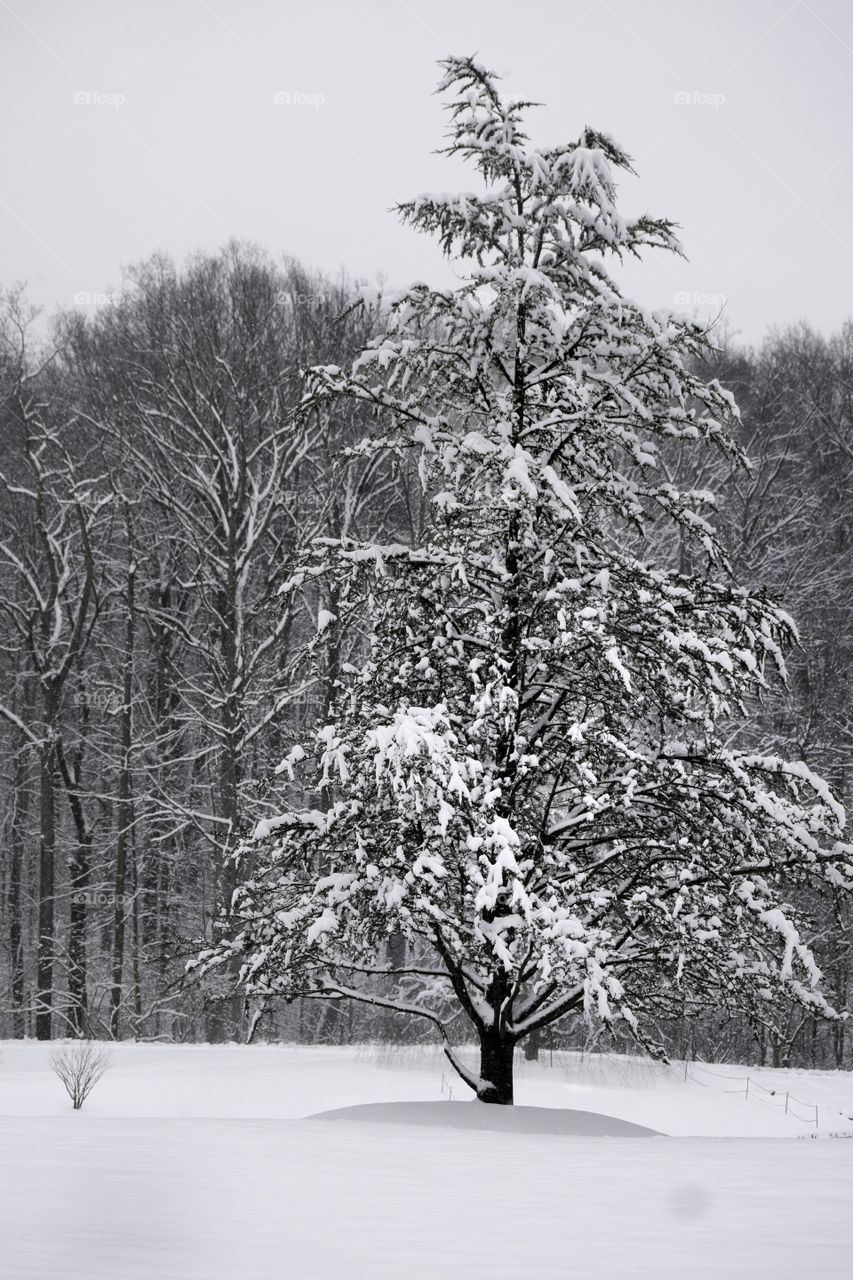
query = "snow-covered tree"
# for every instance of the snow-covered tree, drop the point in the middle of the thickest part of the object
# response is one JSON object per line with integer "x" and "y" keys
{"x": 530, "y": 776}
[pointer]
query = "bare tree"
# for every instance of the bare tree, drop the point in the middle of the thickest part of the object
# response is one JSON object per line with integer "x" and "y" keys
{"x": 79, "y": 1066}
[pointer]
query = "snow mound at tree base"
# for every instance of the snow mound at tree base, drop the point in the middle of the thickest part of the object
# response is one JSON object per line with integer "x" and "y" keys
{"x": 479, "y": 1115}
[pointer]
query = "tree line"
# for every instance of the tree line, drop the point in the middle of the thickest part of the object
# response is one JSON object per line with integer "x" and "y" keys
{"x": 156, "y": 488}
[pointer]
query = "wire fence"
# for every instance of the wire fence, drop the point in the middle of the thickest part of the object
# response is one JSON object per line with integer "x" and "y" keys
{"x": 739, "y": 1085}
{"x": 752, "y": 1089}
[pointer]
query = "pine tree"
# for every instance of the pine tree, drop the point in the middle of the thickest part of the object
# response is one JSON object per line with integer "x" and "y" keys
{"x": 531, "y": 776}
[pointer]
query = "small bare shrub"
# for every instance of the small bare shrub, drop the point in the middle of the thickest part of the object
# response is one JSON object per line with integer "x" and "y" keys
{"x": 79, "y": 1067}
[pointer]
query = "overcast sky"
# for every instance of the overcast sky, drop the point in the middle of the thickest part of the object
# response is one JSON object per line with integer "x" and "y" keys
{"x": 738, "y": 117}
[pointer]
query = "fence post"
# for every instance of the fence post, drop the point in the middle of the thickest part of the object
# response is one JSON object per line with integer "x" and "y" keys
{"x": 685, "y": 1068}
{"x": 747, "y": 1086}
{"x": 786, "y": 1104}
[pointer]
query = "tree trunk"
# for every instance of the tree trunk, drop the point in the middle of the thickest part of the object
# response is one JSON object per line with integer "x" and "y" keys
{"x": 124, "y": 809}
{"x": 838, "y": 1043}
{"x": 532, "y": 1046}
{"x": 77, "y": 930}
{"x": 16, "y": 897}
{"x": 79, "y": 866}
{"x": 47, "y": 868}
{"x": 137, "y": 984}
{"x": 496, "y": 1058}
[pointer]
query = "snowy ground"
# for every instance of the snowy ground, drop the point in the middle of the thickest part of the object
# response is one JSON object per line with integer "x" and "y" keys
{"x": 193, "y": 1162}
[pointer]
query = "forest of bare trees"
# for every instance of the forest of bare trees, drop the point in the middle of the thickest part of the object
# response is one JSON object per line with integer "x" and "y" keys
{"x": 155, "y": 485}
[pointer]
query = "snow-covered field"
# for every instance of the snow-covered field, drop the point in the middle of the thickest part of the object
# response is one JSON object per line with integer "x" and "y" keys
{"x": 193, "y": 1162}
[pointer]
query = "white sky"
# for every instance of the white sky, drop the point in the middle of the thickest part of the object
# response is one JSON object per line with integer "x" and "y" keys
{"x": 198, "y": 151}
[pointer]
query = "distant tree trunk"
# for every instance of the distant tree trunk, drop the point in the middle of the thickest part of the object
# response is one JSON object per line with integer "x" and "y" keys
{"x": 838, "y": 1032}
{"x": 226, "y": 1016}
{"x": 16, "y": 942}
{"x": 329, "y": 1029}
{"x": 231, "y": 729}
{"x": 18, "y": 837}
{"x": 124, "y": 808}
{"x": 47, "y": 867}
{"x": 163, "y": 893}
{"x": 532, "y": 1046}
{"x": 842, "y": 973}
{"x": 164, "y": 846}
{"x": 79, "y": 873}
{"x": 136, "y": 939}
{"x": 77, "y": 930}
